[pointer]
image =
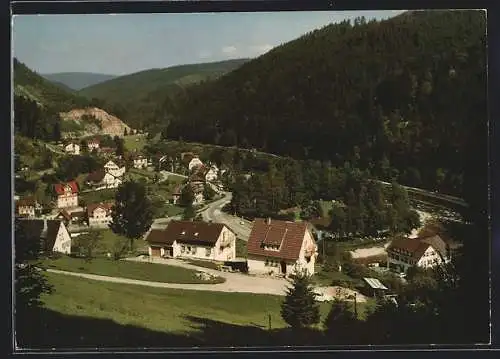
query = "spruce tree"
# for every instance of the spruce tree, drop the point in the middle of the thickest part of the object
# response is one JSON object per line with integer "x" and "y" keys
{"x": 299, "y": 309}
{"x": 340, "y": 324}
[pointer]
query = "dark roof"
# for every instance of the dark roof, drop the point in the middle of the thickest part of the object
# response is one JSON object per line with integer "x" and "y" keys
{"x": 96, "y": 176}
{"x": 288, "y": 235}
{"x": 177, "y": 190}
{"x": 64, "y": 214}
{"x": 27, "y": 201}
{"x": 188, "y": 232}
{"x": 34, "y": 229}
{"x": 412, "y": 247}
{"x": 437, "y": 243}
{"x": 59, "y": 187}
{"x": 77, "y": 214}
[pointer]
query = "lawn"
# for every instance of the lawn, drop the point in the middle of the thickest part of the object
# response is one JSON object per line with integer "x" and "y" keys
{"x": 109, "y": 240}
{"x": 131, "y": 144}
{"x": 201, "y": 263}
{"x": 98, "y": 196}
{"x": 126, "y": 269}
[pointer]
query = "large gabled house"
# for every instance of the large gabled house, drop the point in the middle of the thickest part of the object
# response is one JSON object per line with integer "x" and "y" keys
{"x": 27, "y": 207}
{"x": 114, "y": 168}
{"x": 423, "y": 252}
{"x": 52, "y": 234}
{"x": 99, "y": 214}
{"x": 280, "y": 247}
{"x": 72, "y": 148}
{"x": 193, "y": 239}
{"x": 67, "y": 194}
{"x": 103, "y": 179}
{"x": 139, "y": 161}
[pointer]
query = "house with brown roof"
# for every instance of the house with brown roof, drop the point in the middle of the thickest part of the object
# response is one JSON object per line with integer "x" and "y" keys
{"x": 280, "y": 247}
{"x": 176, "y": 194}
{"x": 27, "y": 207}
{"x": 139, "y": 161}
{"x": 73, "y": 217}
{"x": 99, "y": 214}
{"x": 52, "y": 234}
{"x": 426, "y": 252}
{"x": 193, "y": 239}
{"x": 93, "y": 144}
{"x": 115, "y": 168}
{"x": 101, "y": 179}
{"x": 67, "y": 194}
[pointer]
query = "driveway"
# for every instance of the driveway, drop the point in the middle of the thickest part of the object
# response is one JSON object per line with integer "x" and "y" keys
{"x": 214, "y": 213}
{"x": 235, "y": 282}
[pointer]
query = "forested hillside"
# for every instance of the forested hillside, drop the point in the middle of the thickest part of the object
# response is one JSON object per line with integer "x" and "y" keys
{"x": 78, "y": 80}
{"x": 134, "y": 97}
{"x": 400, "y": 97}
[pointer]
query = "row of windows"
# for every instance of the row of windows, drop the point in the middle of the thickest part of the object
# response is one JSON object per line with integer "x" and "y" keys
{"x": 271, "y": 263}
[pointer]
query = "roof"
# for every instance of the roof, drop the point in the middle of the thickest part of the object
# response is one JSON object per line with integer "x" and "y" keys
{"x": 106, "y": 149}
{"x": 93, "y": 206}
{"x": 35, "y": 230}
{"x": 189, "y": 232}
{"x": 289, "y": 235}
{"x": 322, "y": 222}
{"x": 59, "y": 187}
{"x": 77, "y": 214}
{"x": 374, "y": 283}
{"x": 96, "y": 176}
{"x": 64, "y": 214}
{"x": 437, "y": 243}
{"x": 415, "y": 248}
{"x": 177, "y": 190}
{"x": 94, "y": 140}
{"x": 27, "y": 201}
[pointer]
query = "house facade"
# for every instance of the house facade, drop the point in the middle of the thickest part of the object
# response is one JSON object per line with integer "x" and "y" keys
{"x": 404, "y": 253}
{"x": 194, "y": 163}
{"x": 193, "y": 239}
{"x": 72, "y": 148}
{"x": 99, "y": 214}
{"x": 52, "y": 234}
{"x": 176, "y": 194}
{"x": 27, "y": 207}
{"x": 103, "y": 179}
{"x": 114, "y": 169}
{"x": 67, "y": 194}
{"x": 140, "y": 162}
{"x": 93, "y": 144}
{"x": 280, "y": 247}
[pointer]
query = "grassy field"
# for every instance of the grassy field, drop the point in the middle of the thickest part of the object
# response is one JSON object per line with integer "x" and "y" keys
{"x": 125, "y": 269}
{"x": 201, "y": 263}
{"x": 109, "y": 240}
{"x": 131, "y": 143}
{"x": 98, "y": 196}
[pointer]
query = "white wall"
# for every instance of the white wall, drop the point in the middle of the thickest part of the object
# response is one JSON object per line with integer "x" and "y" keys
{"x": 100, "y": 218}
{"x": 430, "y": 258}
{"x": 67, "y": 201}
{"x": 27, "y": 210}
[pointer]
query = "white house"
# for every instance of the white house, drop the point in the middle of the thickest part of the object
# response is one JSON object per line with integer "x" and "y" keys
{"x": 93, "y": 144}
{"x": 278, "y": 247}
{"x": 27, "y": 207}
{"x": 67, "y": 194}
{"x": 194, "y": 163}
{"x": 403, "y": 253}
{"x": 140, "y": 161}
{"x": 99, "y": 214}
{"x": 193, "y": 239}
{"x": 53, "y": 234}
{"x": 72, "y": 148}
{"x": 210, "y": 174}
{"x": 103, "y": 179}
{"x": 112, "y": 168}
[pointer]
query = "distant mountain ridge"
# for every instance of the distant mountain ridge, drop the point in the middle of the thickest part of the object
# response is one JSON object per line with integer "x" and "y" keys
{"x": 78, "y": 80}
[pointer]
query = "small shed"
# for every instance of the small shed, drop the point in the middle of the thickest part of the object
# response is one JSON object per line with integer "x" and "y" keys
{"x": 377, "y": 289}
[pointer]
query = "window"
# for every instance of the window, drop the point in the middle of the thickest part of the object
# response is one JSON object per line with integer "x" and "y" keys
{"x": 266, "y": 263}
{"x": 207, "y": 252}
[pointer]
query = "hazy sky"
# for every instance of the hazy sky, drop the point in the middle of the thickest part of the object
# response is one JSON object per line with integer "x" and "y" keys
{"x": 127, "y": 43}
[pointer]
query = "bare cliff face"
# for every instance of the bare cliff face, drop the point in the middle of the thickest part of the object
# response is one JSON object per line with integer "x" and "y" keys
{"x": 110, "y": 125}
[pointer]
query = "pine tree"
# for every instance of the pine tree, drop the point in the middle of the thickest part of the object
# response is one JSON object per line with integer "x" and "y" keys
{"x": 189, "y": 212}
{"x": 340, "y": 323}
{"x": 299, "y": 309}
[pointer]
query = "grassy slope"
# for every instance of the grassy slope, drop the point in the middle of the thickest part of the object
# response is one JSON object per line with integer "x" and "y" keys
{"x": 131, "y": 87}
{"x": 125, "y": 269}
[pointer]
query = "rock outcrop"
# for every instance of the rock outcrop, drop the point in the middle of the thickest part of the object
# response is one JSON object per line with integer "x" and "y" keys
{"x": 110, "y": 125}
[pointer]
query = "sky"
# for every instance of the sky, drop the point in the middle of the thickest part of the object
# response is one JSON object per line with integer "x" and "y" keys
{"x": 127, "y": 43}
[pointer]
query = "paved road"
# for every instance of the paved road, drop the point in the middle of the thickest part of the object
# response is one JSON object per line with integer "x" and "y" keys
{"x": 235, "y": 282}
{"x": 214, "y": 213}
{"x": 165, "y": 174}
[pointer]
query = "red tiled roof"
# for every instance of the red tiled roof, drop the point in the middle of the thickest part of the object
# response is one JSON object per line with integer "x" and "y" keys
{"x": 188, "y": 232}
{"x": 59, "y": 187}
{"x": 96, "y": 176}
{"x": 289, "y": 235}
{"x": 92, "y": 207}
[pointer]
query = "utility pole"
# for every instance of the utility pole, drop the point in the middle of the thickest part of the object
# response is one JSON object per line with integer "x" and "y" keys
{"x": 269, "y": 317}
{"x": 355, "y": 306}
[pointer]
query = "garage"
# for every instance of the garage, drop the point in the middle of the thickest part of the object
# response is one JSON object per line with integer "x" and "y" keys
{"x": 155, "y": 252}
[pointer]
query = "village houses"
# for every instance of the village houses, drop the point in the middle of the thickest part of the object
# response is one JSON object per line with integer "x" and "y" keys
{"x": 140, "y": 161}
{"x": 52, "y": 234}
{"x": 71, "y": 218}
{"x": 193, "y": 239}
{"x": 72, "y": 148}
{"x": 114, "y": 169}
{"x": 279, "y": 247}
{"x": 99, "y": 214}
{"x": 27, "y": 207}
{"x": 67, "y": 194}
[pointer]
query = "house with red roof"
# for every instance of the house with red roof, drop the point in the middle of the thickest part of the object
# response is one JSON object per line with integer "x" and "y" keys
{"x": 280, "y": 247}
{"x": 426, "y": 252}
{"x": 99, "y": 214}
{"x": 193, "y": 239}
{"x": 67, "y": 194}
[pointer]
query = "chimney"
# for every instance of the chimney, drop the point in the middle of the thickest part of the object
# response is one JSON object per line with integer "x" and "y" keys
{"x": 268, "y": 221}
